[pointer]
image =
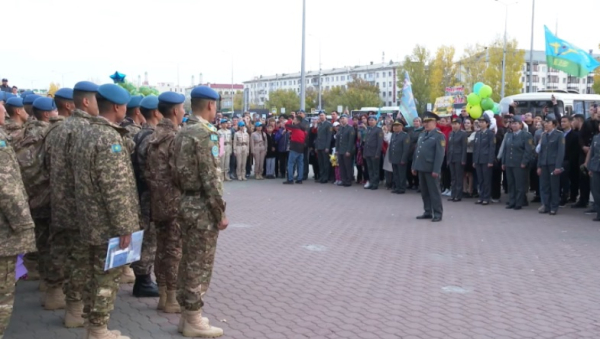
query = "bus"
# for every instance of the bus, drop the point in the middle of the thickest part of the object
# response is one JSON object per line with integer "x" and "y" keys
{"x": 569, "y": 103}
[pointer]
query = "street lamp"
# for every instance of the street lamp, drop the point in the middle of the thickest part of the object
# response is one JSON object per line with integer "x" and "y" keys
{"x": 504, "y": 48}
{"x": 302, "y": 70}
{"x": 320, "y": 70}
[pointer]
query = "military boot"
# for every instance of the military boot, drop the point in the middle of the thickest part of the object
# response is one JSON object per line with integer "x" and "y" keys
{"x": 195, "y": 325}
{"x": 162, "y": 297}
{"x": 55, "y": 299}
{"x": 101, "y": 332}
{"x": 144, "y": 287}
{"x": 127, "y": 277}
{"x": 74, "y": 314}
{"x": 172, "y": 306}
{"x": 182, "y": 321}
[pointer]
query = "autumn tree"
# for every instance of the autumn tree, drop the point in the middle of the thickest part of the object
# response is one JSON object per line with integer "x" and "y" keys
{"x": 238, "y": 101}
{"x": 333, "y": 97}
{"x": 472, "y": 66}
{"x": 287, "y": 99}
{"x": 311, "y": 99}
{"x": 515, "y": 59}
{"x": 361, "y": 93}
{"x": 443, "y": 72}
{"x": 596, "y": 85}
{"x": 53, "y": 88}
{"x": 418, "y": 67}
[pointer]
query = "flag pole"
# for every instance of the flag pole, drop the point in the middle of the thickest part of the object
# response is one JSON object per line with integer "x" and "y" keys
{"x": 531, "y": 49}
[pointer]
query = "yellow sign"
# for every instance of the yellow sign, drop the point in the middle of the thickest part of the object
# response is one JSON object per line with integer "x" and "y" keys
{"x": 444, "y": 106}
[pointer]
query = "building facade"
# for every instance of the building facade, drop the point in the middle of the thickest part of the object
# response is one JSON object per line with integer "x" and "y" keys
{"x": 226, "y": 91}
{"x": 383, "y": 75}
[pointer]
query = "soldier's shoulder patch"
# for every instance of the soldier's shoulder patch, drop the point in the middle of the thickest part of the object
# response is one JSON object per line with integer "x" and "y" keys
{"x": 331, "y": 129}
{"x": 530, "y": 141}
{"x": 443, "y": 142}
{"x": 2, "y": 143}
{"x": 215, "y": 151}
{"x": 381, "y": 134}
{"x": 214, "y": 137}
{"x": 116, "y": 148}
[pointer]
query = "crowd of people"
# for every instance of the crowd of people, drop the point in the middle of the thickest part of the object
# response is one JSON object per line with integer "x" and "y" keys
{"x": 482, "y": 158}
{"x": 94, "y": 163}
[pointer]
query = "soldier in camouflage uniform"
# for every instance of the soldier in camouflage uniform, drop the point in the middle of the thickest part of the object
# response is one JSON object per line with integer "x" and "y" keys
{"x": 29, "y": 152}
{"x": 164, "y": 198}
{"x": 16, "y": 226}
{"x": 144, "y": 286}
{"x": 201, "y": 210}
{"x": 107, "y": 203}
{"x": 65, "y": 241}
{"x": 28, "y": 100}
{"x": 133, "y": 124}
{"x": 15, "y": 128}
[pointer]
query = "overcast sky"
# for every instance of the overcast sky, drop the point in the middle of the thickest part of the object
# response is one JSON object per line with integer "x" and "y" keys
{"x": 46, "y": 41}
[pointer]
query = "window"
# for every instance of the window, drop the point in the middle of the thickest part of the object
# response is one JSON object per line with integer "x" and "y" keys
{"x": 343, "y": 77}
{"x": 535, "y": 67}
{"x": 564, "y": 80}
{"x": 383, "y": 94}
{"x": 390, "y": 73}
{"x": 390, "y": 84}
{"x": 390, "y": 93}
{"x": 337, "y": 78}
{"x": 377, "y": 75}
{"x": 383, "y": 83}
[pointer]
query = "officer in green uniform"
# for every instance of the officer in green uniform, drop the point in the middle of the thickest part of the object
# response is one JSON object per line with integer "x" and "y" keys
{"x": 550, "y": 159}
{"x": 515, "y": 156}
{"x": 427, "y": 163}
{"x": 592, "y": 162}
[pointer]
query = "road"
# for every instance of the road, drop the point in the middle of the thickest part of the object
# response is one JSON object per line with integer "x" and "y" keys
{"x": 319, "y": 261}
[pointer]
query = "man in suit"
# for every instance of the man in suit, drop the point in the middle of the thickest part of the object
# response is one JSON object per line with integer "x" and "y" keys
{"x": 322, "y": 144}
{"x": 399, "y": 148}
{"x": 427, "y": 162}
{"x": 373, "y": 144}
{"x": 571, "y": 158}
{"x": 457, "y": 158}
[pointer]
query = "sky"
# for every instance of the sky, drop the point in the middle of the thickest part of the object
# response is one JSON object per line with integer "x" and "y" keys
{"x": 66, "y": 41}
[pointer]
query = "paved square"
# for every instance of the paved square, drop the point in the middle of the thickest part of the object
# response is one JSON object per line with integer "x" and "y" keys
{"x": 319, "y": 261}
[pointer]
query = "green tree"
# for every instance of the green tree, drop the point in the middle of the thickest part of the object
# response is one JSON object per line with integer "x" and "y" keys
{"x": 311, "y": 99}
{"x": 283, "y": 98}
{"x": 361, "y": 93}
{"x": 417, "y": 66}
{"x": 515, "y": 59}
{"x": 443, "y": 72}
{"x": 129, "y": 87}
{"x": 238, "y": 100}
{"x": 333, "y": 97}
{"x": 472, "y": 66}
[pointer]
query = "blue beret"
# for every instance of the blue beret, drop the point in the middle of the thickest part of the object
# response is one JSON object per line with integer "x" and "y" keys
{"x": 14, "y": 102}
{"x": 258, "y": 124}
{"x": 204, "y": 92}
{"x": 224, "y": 121}
{"x": 344, "y": 116}
{"x": 64, "y": 93}
{"x": 25, "y": 93}
{"x": 86, "y": 86}
{"x": 241, "y": 124}
{"x": 29, "y": 99}
{"x": 301, "y": 111}
{"x": 8, "y": 96}
{"x": 321, "y": 111}
{"x": 115, "y": 94}
{"x": 134, "y": 101}
{"x": 172, "y": 98}
{"x": 44, "y": 104}
{"x": 149, "y": 102}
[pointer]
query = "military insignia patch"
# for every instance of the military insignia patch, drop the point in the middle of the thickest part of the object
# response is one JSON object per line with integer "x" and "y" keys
{"x": 215, "y": 151}
{"x": 563, "y": 140}
{"x": 531, "y": 142}
{"x": 2, "y": 143}
{"x": 116, "y": 148}
{"x": 443, "y": 143}
{"x": 213, "y": 137}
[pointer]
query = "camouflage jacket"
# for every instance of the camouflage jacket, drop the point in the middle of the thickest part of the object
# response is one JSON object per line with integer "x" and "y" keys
{"x": 131, "y": 127}
{"x": 107, "y": 200}
{"x": 57, "y": 161}
{"x": 164, "y": 196}
{"x": 138, "y": 158}
{"x": 29, "y": 150}
{"x": 14, "y": 131}
{"x": 196, "y": 170}
{"x": 16, "y": 225}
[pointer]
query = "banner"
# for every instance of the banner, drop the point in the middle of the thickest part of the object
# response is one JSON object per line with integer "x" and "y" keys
{"x": 408, "y": 107}
{"x": 568, "y": 58}
{"x": 458, "y": 92}
{"x": 444, "y": 106}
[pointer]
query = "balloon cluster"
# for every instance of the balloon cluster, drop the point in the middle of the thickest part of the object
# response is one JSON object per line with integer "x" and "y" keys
{"x": 480, "y": 100}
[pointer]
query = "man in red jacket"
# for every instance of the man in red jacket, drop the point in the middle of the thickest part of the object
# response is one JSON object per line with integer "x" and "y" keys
{"x": 296, "y": 157}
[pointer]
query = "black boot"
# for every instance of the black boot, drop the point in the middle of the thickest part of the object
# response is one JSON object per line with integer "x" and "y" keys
{"x": 144, "y": 287}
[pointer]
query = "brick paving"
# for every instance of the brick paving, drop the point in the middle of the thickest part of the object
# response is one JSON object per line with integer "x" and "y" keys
{"x": 318, "y": 261}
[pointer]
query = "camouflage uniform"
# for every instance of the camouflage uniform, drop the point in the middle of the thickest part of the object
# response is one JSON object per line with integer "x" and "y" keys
{"x": 66, "y": 249}
{"x": 16, "y": 227}
{"x": 14, "y": 131}
{"x": 199, "y": 178}
{"x": 131, "y": 127}
{"x": 139, "y": 157}
{"x": 107, "y": 207}
{"x": 164, "y": 198}
{"x": 29, "y": 151}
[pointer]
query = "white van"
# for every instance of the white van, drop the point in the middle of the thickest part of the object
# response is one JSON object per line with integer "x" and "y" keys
{"x": 571, "y": 103}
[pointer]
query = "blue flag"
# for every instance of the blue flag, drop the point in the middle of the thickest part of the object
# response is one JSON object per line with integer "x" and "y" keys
{"x": 568, "y": 58}
{"x": 408, "y": 107}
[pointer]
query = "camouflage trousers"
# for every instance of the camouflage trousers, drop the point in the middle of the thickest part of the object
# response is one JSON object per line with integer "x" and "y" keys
{"x": 144, "y": 265}
{"x": 168, "y": 253}
{"x": 7, "y": 290}
{"x": 39, "y": 260}
{"x": 67, "y": 252}
{"x": 101, "y": 289}
{"x": 198, "y": 255}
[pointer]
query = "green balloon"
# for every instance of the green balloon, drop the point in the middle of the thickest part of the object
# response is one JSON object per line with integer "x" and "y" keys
{"x": 485, "y": 91}
{"x": 487, "y": 104}
{"x": 473, "y": 99}
{"x": 496, "y": 108}
{"x": 476, "y": 112}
